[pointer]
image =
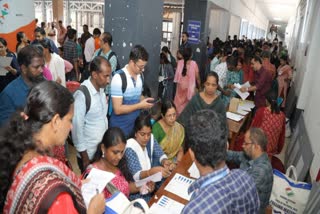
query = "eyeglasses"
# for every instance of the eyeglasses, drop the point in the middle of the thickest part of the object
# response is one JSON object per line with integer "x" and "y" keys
{"x": 171, "y": 115}
{"x": 141, "y": 67}
{"x": 143, "y": 134}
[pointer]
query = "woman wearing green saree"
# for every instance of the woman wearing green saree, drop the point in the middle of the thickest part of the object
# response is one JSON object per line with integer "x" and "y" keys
{"x": 169, "y": 133}
{"x": 206, "y": 99}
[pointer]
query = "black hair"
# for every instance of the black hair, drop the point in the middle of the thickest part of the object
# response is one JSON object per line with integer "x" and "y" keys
{"x": 112, "y": 137}
{"x": 164, "y": 58}
{"x": 212, "y": 74}
{"x": 96, "y": 31}
{"x": 166, "y": 106}
{"x": 46, "y": 44}
{"x": 71, "y": 33}
{"x": 40, "y": 30}
{"x": 95, "y": 64}
{"x": 257, "y": 59}
{"x": 185, "y": 33}
{"x": 20, "y": 36}
{"x": 166, "y": 49}
{"x": 265, "y": 54}
{"x": 272, "y": 98}
{"x": 284, "y": 58}
{"x": 27, "y": 53}
{"x": 43, "y": 24}
{"x": 107, "y": 38}
{"x": 138, "y": 52}
{"x": 141, "y": 121}
{"x": 3, "y": 41}
{"x": 187, "y": 53}
{"x": 44, "y": 101}
{"x": 207, "y": 135}
{"x": 233, "y": 61}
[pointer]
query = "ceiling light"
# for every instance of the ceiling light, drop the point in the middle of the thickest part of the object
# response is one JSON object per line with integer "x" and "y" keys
{"x": 277, "y": 19}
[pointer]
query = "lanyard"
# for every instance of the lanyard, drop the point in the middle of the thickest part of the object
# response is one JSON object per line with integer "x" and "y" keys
{"x": 222, "y": 174}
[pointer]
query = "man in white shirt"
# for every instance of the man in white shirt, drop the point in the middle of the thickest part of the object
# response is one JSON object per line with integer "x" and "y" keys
{"x": 90, "y": 124}
{"x": 90, "y": 48}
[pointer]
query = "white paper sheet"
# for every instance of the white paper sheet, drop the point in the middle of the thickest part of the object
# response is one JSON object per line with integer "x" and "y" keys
{"x": 246, "y": 105}
{"x": 242, "y": 112}
{"x": 179, "y": 185}
{"x": 98, "y": 179}
{"x": 166, "y": 205}
{"x": 194, "y": 171}
{"x": 155, "y": 178}
{"x": 235, "y": 117}
{"x": 237, "y": 88}
{"x": 4, "y": 62}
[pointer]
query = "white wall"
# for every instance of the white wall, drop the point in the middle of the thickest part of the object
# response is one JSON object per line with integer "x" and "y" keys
{"x": 234, "y": 28}
{"x": 218, "y": 24}
{"x": 245, "y": 10}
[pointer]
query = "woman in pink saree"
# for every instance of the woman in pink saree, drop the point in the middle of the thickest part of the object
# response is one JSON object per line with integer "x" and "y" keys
{"x": 284, "y": 77}
{"x": 187, "y": 79}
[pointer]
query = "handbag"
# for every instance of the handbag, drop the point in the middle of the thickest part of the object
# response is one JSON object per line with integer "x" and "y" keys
{"x": 118, "y": 203}
{"x": 288, "y": 195}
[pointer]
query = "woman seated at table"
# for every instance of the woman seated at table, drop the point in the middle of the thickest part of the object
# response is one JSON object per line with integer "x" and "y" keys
{"x": 272, "y": 121}
{"x": 145, "y": 157}
{"x": 109, "y": 157}
{"x": 207, "y": 99}
{"x": 169, "y": 133}
{"x": 32, "y": 181}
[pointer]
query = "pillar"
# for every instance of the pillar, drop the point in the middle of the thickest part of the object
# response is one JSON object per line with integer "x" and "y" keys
{"x": 57, "y": 10}
{"x": 196, "y": 23}
{"x": 132, "y": 23}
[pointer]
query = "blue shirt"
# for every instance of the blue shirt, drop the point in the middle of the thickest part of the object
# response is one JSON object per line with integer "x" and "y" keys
{"x": 88, "y": 129}
{"x": 260, "y": 170}
{"x": 232, "y": 193}
{"x": 131, "y": 96}
{"x": 12, "y": 97}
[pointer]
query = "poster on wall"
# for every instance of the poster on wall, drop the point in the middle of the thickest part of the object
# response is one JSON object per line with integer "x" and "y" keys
{"x": 16, "y": 16}
{"x": 194, "y": 29}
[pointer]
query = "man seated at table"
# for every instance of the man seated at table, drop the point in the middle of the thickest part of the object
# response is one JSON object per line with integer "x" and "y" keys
{"x": 255, "y": 161}
{"x": 218, "y": 190}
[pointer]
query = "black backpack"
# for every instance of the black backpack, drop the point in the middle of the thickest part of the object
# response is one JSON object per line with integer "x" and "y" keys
{"x": 87, "y": 96}
{"x": 118, "y": 67}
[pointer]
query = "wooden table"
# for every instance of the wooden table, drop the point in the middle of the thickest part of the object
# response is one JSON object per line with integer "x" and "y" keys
{"x": 182, "y": 168}
{"x": 234, "y": 129}
{"x": 186, "y": 162}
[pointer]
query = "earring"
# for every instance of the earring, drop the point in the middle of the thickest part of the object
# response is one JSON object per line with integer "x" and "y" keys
{"x": 103, "y": 154}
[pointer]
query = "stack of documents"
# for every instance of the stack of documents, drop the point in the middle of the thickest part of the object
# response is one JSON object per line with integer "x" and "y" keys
{"x": 166, "y": 205}
{"x": 4, "y": 62}
{"x": 179, "y": 186}
{"x": 237, "y": 88}
{"x": 246, "y": 105}
{"x": 235, "y": 117}
{"x": 98, "y": 179}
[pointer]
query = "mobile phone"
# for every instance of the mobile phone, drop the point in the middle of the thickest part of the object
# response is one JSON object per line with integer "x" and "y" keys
{"x": 154, "y": 101}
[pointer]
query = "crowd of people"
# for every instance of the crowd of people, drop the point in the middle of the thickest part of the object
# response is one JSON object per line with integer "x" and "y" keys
{"x": 116, "y": 126}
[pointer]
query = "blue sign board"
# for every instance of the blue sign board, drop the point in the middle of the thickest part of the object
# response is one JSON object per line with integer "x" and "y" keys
{"x": 194, "y": 29}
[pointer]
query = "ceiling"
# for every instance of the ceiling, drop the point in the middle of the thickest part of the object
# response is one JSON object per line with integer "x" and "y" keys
{"x": 278, "y": 12}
